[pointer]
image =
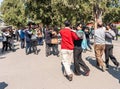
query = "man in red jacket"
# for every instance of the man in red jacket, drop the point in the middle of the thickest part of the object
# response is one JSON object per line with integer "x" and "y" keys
{"x": 67, "y": 46}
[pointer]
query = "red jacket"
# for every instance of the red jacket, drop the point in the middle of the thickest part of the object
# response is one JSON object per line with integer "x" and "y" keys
{"x": 68, "y": 38}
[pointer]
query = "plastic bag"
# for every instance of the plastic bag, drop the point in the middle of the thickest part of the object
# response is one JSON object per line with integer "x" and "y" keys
{"x": 84, "y": 44}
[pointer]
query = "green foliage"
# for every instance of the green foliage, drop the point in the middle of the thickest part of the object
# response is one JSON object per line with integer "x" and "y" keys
{"x": 13, "y": 12}
{"x": 55, "y": 12}
{"x": 118, "y": 27}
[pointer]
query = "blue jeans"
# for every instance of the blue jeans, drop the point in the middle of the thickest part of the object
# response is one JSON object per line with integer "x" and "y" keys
{"x": 28, "y": 47}
{"x": 88, "y": 43}
{"x": 40, "y": 40}
{"x": 22, "y": 43}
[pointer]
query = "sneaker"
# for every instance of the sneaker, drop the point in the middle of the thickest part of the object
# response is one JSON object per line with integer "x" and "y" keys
{"x": 117, "y": 65}
{"x": 103, "y": 68}
{"x": 90, "y": 50}
{"x": 70, "y": 77}
{"x": 107, "y": 66}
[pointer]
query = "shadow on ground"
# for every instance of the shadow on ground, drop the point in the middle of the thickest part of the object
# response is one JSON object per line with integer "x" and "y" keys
{"x": 92, "y": 61}
{"x": 2, "y": 55}
{"x": 115, "y": 72}
{"x": 3, "y": 85}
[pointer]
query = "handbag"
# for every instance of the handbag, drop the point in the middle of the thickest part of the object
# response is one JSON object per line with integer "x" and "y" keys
{"x": 33, "y": 37}
{"x": 84, "y": 44}
{"x": 54, "y": 41}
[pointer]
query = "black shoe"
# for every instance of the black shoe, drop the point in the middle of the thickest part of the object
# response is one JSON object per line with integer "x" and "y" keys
{"x": 107, "y": 66}
{"x": 47, "y": 55}
{"x": 70, "y": 77}
{"x": 117, "y": 65}
{"x": 77, "y": 74}
{"x": 58, "y": 55}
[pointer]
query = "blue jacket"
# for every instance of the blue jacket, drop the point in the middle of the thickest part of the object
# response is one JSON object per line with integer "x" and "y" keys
{"x": 22, "y": 34}
{"x": 28, "y": 35}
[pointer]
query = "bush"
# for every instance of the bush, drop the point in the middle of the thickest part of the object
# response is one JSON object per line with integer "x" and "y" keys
{"x": 118, "y": 27}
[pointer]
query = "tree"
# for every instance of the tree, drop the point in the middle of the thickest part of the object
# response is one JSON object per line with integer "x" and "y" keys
{"x": 55, "y": 12}
{"x": 13, "y": 12}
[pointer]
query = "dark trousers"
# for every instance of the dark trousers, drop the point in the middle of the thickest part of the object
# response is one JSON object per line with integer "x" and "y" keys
{"x": 22, "y": 43}
{"x": 88, "y": 43}
{"x": 55, "y": 49}
{"x": 109, "y": 54}
{"x": 78, "y": 62}
{"x": 48, "y": 49}
{"x": 28, "y": 47}
{"x": 40, "y": 40}
{"x": 5, "y": 46}
{"x": 116, "y": 37}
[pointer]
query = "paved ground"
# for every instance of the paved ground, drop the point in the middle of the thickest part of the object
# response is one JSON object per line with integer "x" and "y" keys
{"x": 20, "y": 71}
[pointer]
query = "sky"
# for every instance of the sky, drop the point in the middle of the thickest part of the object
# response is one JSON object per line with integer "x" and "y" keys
{"x": 0, "y": 1}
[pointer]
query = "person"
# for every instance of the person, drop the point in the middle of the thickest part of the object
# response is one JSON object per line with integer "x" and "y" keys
{"x": 87, "y": 34}
{"x": 92, "y": 32}
{"x": 39, "y": 35}
{"x": 115, "y": 30}
{"x": 48, "y": 37}
{"x": 28, "y": 35}
{"x": 67, "y": 46}
{"x": 22, "y": 38}
{"x": 34, "y": 41}
{"x": 5, "y": 35}
{"x": 99, "y": 43}
{"x": 17, "y": 34}
{"x": 109, "y": 34}
{"x": 54, "y": 41}
{"x": 77, "y": 53}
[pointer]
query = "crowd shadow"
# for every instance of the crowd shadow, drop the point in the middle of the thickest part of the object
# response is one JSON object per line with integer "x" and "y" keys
{"x": 92, "y": 61}
{"x": 8, "y": 51}
{"x": 3, "y": 85}
{"x": 115, "y": 72}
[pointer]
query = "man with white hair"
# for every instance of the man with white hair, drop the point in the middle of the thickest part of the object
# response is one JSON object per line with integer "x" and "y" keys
{"x": 99, "y": 43}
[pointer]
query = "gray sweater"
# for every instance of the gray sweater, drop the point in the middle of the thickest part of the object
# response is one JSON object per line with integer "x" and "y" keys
{"x": 109, "y": 35}
{"x": 99, "y": 36}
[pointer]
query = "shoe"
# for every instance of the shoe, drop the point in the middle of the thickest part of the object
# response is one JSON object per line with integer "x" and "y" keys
{"x": 90, "y": 50}
{"x": 117, "y": 65}
{"x": 27, "y": 53}
{"x": 87, "y": 73}
{"x": 77, "y": 74}
{"x": 84, "y": 51}
{"x": 70, "y": 77}
{"x": 103, "y": 68}
{"x": 58, "y": 55}
{"x": 107, "y": 66}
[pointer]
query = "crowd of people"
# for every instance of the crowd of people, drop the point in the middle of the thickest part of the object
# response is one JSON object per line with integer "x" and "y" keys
{"x": 74, "y": 41}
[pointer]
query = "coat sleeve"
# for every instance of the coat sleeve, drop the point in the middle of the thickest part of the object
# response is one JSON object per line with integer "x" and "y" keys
{"x": 74, "y": 36}
{"x": 108, "y": 35}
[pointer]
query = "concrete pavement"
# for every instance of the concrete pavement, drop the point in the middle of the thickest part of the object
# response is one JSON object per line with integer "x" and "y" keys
{"x": 20, "y": 71}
